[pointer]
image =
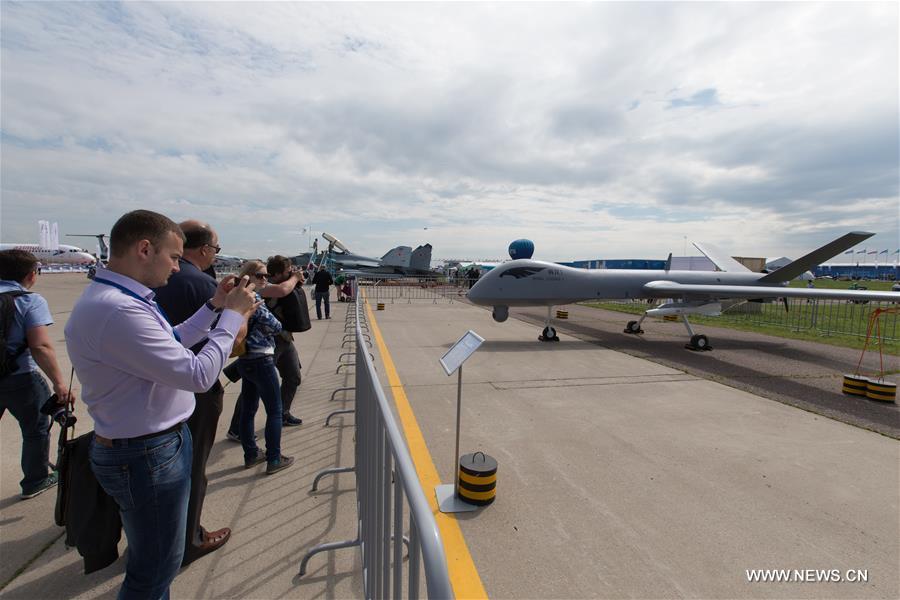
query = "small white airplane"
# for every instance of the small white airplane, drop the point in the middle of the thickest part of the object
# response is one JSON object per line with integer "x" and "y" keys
{"x": 68, "y": 255}
{"x": 527, "y": 282}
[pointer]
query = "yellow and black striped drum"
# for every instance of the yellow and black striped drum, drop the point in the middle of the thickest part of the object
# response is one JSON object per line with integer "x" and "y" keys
{"x": 562, "y": 314}
{"x": 855, "y": 385}
{"x": 477, "y": 478}
{"x": 380, "y": 306}
{"x": 884, "y": 391}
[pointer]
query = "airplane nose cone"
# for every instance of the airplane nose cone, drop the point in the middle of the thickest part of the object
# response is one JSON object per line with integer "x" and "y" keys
{"x": 476, "y": 294}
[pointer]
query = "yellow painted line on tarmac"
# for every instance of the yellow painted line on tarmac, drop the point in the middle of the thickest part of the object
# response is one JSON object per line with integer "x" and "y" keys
{"x": 463, "y": 575}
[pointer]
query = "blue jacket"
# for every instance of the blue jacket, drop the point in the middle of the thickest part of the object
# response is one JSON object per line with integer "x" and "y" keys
{"x": 261, "y": 331}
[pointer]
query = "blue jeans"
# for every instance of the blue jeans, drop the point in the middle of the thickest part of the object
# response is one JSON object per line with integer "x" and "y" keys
{"x": 23, "y": 395}
{"x": 150, "y": 480}
{"x": 260, "y": 379}
{"x": 320, "y": 296}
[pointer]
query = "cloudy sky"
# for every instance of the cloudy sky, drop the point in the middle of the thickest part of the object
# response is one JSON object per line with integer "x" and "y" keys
{"x": 605, "y": 130}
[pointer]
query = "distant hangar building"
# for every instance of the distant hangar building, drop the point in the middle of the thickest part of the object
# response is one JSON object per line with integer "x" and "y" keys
{"x": 679, "y": 263}
{"x": 623, "y": 263}
{"x": 887, "y": 272}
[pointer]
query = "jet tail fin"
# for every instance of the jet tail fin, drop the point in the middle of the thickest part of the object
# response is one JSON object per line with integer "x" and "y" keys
{"x": 421, "y": 258}
{"x": 816, "y": 257}
{"x": 397, "y": 257}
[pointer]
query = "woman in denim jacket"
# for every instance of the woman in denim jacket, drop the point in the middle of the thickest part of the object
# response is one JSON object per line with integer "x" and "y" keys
{"x": 260, "y": 380}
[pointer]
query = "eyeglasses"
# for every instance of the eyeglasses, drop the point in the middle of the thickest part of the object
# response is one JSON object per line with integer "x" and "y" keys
{"x": 216, "y": 248}
{"x": 260, "y": 275}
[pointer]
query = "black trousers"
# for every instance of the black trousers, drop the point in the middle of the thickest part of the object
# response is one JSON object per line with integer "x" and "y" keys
{"x": 203, "y": 425}
{"x": 287, "y": 361}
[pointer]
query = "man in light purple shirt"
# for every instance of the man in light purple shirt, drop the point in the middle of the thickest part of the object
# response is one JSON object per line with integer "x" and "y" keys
{"x": 138, "y": 377}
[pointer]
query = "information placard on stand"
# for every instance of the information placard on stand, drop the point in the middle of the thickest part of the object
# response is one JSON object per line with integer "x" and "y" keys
{"x": 460, "y": 351}
{"x": 446, "y": 494}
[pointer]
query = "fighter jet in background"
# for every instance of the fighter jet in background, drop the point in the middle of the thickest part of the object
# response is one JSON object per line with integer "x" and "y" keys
{"x": 226, "y": 261}
{"x": 527, "y": 282}
{"x": 398, "y": 261}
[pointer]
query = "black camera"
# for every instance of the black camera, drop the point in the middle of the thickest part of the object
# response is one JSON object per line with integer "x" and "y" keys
{"x": 58, "y": 412}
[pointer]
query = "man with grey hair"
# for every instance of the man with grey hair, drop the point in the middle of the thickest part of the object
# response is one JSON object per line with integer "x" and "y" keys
{"x": 186, "y": 293}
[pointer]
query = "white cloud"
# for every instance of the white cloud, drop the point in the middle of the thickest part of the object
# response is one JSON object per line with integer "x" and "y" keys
{"x": 597, "y": 130}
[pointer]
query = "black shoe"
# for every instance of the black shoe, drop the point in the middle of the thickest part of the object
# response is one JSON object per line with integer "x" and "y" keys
{"x": 257, "y": 460}
{"x": 45, "y": 485}
{"x": 279, "y": 464}
{"x": 327, "y": 317}
{"x": 289, "y": 420}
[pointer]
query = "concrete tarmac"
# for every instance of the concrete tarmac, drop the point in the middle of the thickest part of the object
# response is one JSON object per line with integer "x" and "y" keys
{"x": 623, "y": 478}
{"x": 275, "y": 519}
{"x": 801, "y": 373}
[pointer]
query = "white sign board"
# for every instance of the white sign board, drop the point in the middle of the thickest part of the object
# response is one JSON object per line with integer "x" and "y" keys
{"x": 461, "y": 351}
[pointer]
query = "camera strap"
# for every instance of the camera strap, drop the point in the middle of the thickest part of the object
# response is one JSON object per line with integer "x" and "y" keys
{"x": 70, "y": 404}
{"x": 64, "y": 429}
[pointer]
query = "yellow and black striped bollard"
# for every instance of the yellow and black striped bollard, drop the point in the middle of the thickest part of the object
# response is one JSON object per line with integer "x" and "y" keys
{"x": 884, "y": 391}
{"x": 477, "y": 478}
{"x": 381, "y": 306}
{"x": 562, "y": 314}
{"x": 855, "y": 385}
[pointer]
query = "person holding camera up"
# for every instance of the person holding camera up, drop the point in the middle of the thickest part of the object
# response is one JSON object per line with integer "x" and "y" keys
{"x": 25, "y": 346}
{"x": 260, "y": 382}
{"x": 283, "y": 279}
{"x": 138, "y": 378}
{"x": 287, "y": 361}
{"x": 185, "y": 293}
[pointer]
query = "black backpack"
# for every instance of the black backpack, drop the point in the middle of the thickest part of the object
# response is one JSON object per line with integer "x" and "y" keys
{"x": 293, "y": 311}
{"x": 7, "y": 314}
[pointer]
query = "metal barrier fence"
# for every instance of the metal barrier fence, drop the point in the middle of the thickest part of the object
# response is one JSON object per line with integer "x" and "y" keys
{"x": 54, "y": 268}
{"x": 822, "y": 317}
{"x": 410, "y": 289}
{"x": 387, "y": 489}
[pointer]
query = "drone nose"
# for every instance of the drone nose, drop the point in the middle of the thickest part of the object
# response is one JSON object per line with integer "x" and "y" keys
{"x": 476, "y": 293}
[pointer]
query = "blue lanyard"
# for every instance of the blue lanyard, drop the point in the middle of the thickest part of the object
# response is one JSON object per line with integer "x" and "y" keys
{"x": 128, "y": 292}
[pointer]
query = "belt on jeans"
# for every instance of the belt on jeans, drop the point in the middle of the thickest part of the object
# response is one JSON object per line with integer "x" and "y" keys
{"x": 103, "y": 441}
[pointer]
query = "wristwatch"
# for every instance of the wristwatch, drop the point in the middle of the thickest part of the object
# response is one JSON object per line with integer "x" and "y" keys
{"x": 211, "y": 307}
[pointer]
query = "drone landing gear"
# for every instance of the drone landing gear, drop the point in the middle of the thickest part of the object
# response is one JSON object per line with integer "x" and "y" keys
{"x": 634, "y": 327}
{"x": 548, "y": 335}
{"x": 549, "y": 332}
{"x": 699, "y": 342}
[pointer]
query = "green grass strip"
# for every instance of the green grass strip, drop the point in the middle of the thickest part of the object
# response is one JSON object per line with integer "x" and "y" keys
{"x": 857, "y": 321}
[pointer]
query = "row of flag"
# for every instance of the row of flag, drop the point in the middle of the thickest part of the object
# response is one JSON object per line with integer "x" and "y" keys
{"x": 866, "y": 251}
